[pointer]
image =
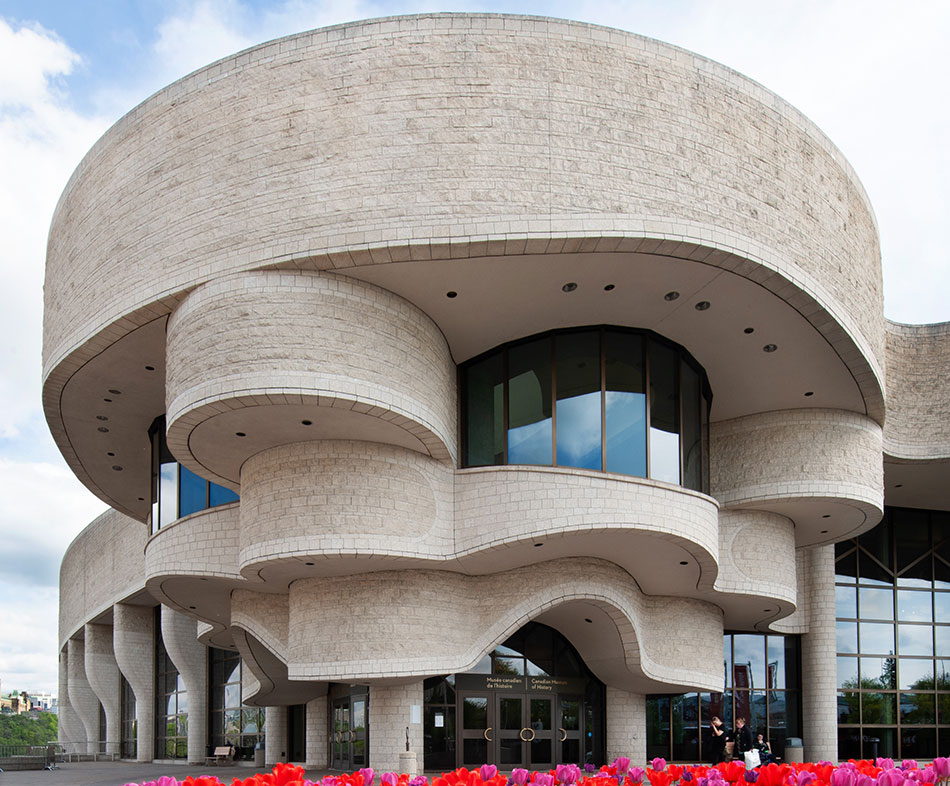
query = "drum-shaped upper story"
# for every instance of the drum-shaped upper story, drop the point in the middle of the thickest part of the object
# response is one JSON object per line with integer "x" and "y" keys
{"x": 504, "y": 175}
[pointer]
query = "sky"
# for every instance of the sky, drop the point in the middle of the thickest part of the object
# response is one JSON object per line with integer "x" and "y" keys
{"x": 871, "y": 74}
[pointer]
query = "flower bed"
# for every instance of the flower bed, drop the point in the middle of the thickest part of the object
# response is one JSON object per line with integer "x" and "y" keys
{"x": 882, "y": 772}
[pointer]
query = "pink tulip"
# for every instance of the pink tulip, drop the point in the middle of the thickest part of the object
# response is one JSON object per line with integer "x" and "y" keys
{"x": 885, "y": 764}
{"x": 635, "y": 775}
{"x": 389, "y": 778}
{"x": 622, "y": 763}
{"x": 909, "y": 764}
{"x": 842, "y": 776}
{"x": 890, "y": 777}
{"x": 488, "y": 771}
{"x": 805, "y": 778}
{"x": 368, "y": 774}
{"x": 519, "y": 776}
{"x": 658, "y": 764}
{"x": 941, "y": 766}
{"x": 860, "y": 779}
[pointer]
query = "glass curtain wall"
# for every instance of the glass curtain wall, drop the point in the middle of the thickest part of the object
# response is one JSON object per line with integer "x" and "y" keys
{"x": 171, "y": 704}
{"x": 892, "y": 599}
{"x": 762, "y": 684}
{"x": 129, "y": 745}
{"x": 602, "y": 398}
{"x": 232, "y": 723}
{"x": 176, "y": 490}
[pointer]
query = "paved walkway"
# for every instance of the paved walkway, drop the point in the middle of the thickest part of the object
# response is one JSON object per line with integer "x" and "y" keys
{"x": 119, "y": 773}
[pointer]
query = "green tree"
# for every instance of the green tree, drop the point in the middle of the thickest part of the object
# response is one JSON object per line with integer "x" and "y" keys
{"x": 28, "y": 729}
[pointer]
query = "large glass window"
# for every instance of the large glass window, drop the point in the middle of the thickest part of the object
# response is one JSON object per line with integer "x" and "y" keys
{"x": 762, "y": 685}
{"x": 892, "y": 603}
{"x": 129, "y": 726}
{"x": 176, "y": 490}
{"x": 171, "y": 703}
{"x": 602, "y": 398}
{"x": 232, "y": 723}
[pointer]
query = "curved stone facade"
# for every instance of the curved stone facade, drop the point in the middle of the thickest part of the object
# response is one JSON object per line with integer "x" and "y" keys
{"x": 289, "y": 253}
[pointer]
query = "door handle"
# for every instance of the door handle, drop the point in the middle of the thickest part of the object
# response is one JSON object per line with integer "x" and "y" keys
{"x": 485, "y": 735}
{"x": 526, "y": 739}
{"x": 563, "y": 733}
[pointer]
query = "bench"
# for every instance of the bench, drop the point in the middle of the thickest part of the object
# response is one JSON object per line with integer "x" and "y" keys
{"x": 223, "y": 754}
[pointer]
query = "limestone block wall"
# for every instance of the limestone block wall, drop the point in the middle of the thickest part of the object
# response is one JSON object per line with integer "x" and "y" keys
{"x": 335, "y": 497}
{"x": 133, "y": 639}
{"x": 757, "y": 555}
{"x": 275, "y": 735}
{"x": 191, "y": 659}
{"x": 510, "y": 159}
{"x": 626, "y": 726}
{"x": 453, "y": 619}
{"x": 389, "y": 717}
{"x": 336, "y": 343}
{"x": 71, "y": 731}
{"x": 317, "y": 733}
{"x": 82, "y": 698}
{"x": 103, "y": 565}
{"x": 805, "y": 456}
{"x": 103, "y": 675}
{"x": 819, "y": 703}
{"x": 918, "y": 405}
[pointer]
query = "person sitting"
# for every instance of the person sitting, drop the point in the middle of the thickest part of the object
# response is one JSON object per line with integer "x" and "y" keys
{"x": 764, "y": 749}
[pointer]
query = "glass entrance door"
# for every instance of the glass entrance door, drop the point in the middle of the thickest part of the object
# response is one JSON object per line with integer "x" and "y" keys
{"x": 348, "y": 736}
{"x": 525, "y": 731}
{"x": 476, "y": 729}
{"x": 570, "y": 730}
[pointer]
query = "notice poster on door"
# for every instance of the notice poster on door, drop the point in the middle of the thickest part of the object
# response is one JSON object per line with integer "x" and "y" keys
{"x": 439, "y": 720}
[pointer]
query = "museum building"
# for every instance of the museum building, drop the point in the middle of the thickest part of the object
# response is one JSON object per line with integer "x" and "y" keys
{"x": 484, "y": 388}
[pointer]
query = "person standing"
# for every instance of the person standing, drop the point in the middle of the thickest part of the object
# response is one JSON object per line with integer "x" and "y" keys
{"x": 743, "y": 737}
{"x": 717, "y": 740}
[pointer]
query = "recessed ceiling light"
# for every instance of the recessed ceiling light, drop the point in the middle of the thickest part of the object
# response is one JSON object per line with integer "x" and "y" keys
{"x": 899, "y": 485}
{"x": 116, "y": 467}
{"x": 103, "y": 429}
{"x": 141, "y": 499}
{"x": 749, "y": 330}
{"x": 809, "y": 393}
{"x": 702, "y": 305}
{"x": 609, "y": 288}
{"x": 684, "y": 562}
{"x": 538, "y": 545}
{"x": 570, "y": 286}
{"x": 823, "y": 532}
{"x": 101, "y": 417}
{"x": 110, "y": 453}
{"x": 239, "y": 434}
{"x": 309, "y": 563}
{"x": 150, "y": 368}
{"x": 588, "y": 620}
{"x": 115, "y": 392}
{"x": 451, "y": 293}
{"x": 192, "y": 607}
{"x": 306, "y": 422}
{"x": 107, "y": 400}
{"x": 671, "y": 296}
{"x": 766, "y": 611}
{"x": 826, "y": 515}
{"x": 770, "y": 347}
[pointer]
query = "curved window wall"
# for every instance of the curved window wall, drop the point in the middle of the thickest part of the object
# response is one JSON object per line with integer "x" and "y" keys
{"x": 762, "y": 685}
{"x": 176, "y": 490}
{"x": 232, "y": 722}
{"x": 602, "y": 398}
{"x": 892, "y": 599}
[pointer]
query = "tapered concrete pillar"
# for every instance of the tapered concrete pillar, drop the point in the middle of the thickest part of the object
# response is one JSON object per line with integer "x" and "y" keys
{"x": 317, "y": 746}
{"x": 134, "y": 645}
{"x": 81, "y": 695}
{"x": 626, "y": 726}
{"x": 103, "y": 675}
{"x": 190, "y": 656}
{"x": 71, "y": 733}
{"x": 275, "y": 735}
{"x": 390, "y": 713}
{"x": 819, "y": 697}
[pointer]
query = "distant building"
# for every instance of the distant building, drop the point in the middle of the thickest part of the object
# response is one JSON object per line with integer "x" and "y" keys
{"x": 511, "y": 388}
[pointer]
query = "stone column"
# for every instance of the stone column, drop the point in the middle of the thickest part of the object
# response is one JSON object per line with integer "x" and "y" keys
{"x": 819, "y": 696}
{"x": 190, "y": 656}
{"x": 71, "y": 733}
{"x": 134, "y": 646}
{"x": 317, "y": 746}
{"x": 626, "y": 726}
{"x": 103, "y": 675}
{"x": 81, "y": 696}
{"x": 275, "y": 735}
{"x": 389, "y": 715}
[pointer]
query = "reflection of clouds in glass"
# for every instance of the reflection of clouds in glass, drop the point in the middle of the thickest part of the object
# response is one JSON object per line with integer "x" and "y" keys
{"x": 626, "y": 432}
{"x": 876, "y": 604}
{"x": 525, "y": 400}
{"x": 751, "y": 650}
{"x": 877, "y": 637}
{"x": 664, "y": 455}
{"x": 578, "y": 431}
{"x": 530, "y": 444}
{"x": 942, "y": 635}
{"x": 847, "y": 636}
{"x": 915, "y": 640}
{"x": 911, "y": 673}
{"x": 914, "y": 606}
{"x": 847, "y": 672}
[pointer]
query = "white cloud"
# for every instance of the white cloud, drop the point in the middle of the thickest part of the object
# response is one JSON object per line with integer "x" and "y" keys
{"x": 28, "y": 659}
{"x": 41, "y": 141}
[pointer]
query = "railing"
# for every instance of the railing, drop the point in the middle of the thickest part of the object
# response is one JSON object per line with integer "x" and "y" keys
{"x": 30, "y": 757}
